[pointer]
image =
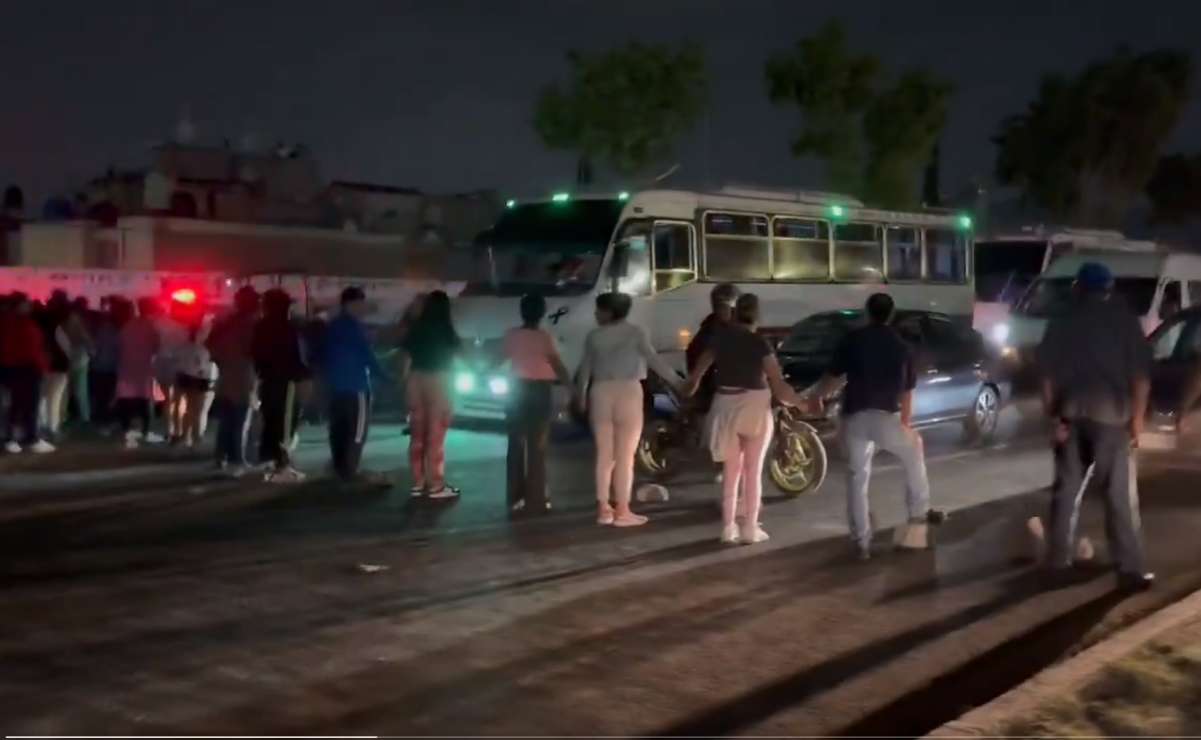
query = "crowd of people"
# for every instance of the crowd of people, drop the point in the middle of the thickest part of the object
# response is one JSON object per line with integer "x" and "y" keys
{"x": 121, "y": 363}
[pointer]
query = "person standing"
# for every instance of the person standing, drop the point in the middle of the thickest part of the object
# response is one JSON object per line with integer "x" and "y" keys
{"x": 1096, "y": 365}
{"x": 138, "y": 343}
{"x": 746, "y": 377}
{"x": 617, "y": 355}
{"x": 536, "y": 365}
{"x": 58, "y": 349}
{"x": 231, "y": 346}
{"x": 25, "y": 362}
{"x": 430, "y": 346}
{"x": 173, "y": 337}
{"x": 721, "y": 302}
{"x": 279, "y": 360}
{"x": 877, "y": 411}
{"x": 195, "y": 382}
{"x": 79, "y": 339}
{"x": 349, "y": 364}
{"x": 103, "y": 365}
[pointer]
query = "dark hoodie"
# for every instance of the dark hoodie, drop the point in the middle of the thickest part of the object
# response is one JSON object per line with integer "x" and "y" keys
{"x": 278, "y": 348}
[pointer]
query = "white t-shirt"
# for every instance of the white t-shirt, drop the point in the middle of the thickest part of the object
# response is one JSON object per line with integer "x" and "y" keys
{"x": 194, "y": 361}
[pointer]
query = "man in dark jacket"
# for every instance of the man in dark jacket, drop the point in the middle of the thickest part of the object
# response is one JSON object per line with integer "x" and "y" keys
{"x": 349, "y": 365}
{"x": 25, "y": 361}
{"x": 721, "y": 301}
{"x": 231, "y": 346}
{"x": 279, "y": 360}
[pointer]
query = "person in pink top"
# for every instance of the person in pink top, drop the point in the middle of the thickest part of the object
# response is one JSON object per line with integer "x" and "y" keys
{"x": 138, "y": 343}
{"x": 535, "y": 366}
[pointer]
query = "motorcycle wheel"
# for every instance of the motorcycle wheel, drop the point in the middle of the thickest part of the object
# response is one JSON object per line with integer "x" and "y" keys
{"x": 654, "y": 456}
{"x": 798, "y": 461}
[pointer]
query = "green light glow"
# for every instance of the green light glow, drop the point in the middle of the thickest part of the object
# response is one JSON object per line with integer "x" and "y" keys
{"x": 623, "y": 195}
{"x": 499, "y": 386}
{"x": 465, "y": 382}
{"x": 560, "y": 197}
{"x": 837, "y": 211}
{"x": 510, "y": 204}
{"x": 965, "y": 222}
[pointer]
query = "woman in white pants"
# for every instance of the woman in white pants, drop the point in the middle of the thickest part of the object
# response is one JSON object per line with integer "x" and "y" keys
{"x": 740, "y": 422}
{"x": 616, "y": 357}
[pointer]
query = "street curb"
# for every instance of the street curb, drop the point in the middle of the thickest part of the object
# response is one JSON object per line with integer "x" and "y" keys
{"x": 1024, "y": 699}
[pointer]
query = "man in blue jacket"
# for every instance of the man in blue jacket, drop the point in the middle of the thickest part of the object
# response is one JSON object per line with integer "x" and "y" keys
{"x": 349, "y": 364}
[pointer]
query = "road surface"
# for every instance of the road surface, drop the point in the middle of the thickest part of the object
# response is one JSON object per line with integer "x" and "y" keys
{"x": 145, "y": 596}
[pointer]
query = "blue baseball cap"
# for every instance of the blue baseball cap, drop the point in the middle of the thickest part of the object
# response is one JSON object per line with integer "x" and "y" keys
{"x": 1094, "y": 276}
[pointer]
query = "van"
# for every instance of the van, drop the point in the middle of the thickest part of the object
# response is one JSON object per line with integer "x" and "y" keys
{"x": 1155, "y": 285}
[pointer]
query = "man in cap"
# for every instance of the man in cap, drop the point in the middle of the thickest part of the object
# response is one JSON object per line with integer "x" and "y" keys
{"x": 1095, "y": 364}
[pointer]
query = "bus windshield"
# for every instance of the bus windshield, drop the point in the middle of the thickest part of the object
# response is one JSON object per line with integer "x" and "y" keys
{"x": 550, "y": 248}
{"x": 1004, "y": 269}
{"x": 1052, "y": 296}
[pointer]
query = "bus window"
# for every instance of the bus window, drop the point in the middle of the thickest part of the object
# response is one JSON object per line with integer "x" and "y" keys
{"x": 904, "y": 254}
{"x": 637, "y": 280}
{"x": 946, "y": 256}
{"x": 1004, "y": 269}
{"x": 736, "y": 247}
{"x": 674, "y": 265}
{"x": 858, "y": 256}
{"x": 800, "y": 249}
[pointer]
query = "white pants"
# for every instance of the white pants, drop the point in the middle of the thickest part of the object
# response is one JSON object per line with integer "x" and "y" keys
{"x": 615, "y": 408}
{"x": 54, "y": 397}
{"x": 863, "y": 433}
{"x": 743, "y": 463}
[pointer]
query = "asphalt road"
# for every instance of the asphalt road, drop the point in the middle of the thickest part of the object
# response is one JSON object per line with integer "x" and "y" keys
{"x": 146, "y": 596}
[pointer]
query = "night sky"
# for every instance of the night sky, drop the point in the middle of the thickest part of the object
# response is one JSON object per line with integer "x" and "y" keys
{"x": 438, "y": 94}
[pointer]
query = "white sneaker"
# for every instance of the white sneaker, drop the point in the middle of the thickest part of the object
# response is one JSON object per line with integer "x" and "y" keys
{"x": 287, "y": 475}
{"x": 12, "y": 448}
{"x": 294, "y": 442}
{"x": 236, "y": 471}
{"x": 730, "y": 534}
{"x": 754, "y": 536}
{"x": 41, "y": 447}
{"x": 154, "y": 438}
{"x": 444, "y": 492}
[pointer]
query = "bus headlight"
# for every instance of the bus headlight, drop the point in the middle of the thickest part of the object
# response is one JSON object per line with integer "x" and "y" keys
{"x": 465, "y": 382}
{"x": 1000, "y": 334}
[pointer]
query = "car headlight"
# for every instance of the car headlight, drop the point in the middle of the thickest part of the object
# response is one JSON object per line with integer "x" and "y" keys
{"x": 499, "y": 386}
{"x": 1000, "y": 333}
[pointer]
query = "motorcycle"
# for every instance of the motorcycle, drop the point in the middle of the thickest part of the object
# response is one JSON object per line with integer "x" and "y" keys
{"x": 673, "y": 441}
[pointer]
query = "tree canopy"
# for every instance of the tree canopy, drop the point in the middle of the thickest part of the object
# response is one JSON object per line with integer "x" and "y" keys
{"x": 1175, "y": 189}
{"x": 874, "y": 137}
{"x": 626, "y": 107}
{"x": 1086, "y": 146}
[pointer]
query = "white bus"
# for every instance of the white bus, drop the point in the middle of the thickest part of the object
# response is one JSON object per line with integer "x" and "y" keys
{"x": 1007, "y": 264}
{"x": 801, "y": 252}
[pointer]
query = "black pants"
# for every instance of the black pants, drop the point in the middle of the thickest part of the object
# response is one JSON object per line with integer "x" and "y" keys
{"x": 280, "y": 412}
{"x": 102, "y": 391}
{"x": 129, "y": 409}
{"x": 24, "y": 388}
{"x": 233, "y": 421}
{"x": 349, "y": 419}
{"x": 529, "y": 417}
{"x": 1106, "y": 449}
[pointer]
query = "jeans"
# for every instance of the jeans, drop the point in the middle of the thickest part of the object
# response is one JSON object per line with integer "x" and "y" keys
{"x": 78, "y": 379}
{"x": 24, "y": 386}
{"x": 528, "y": 419}
{"x": 233, "y": 424}
{"x": 349, "y": 419}
{"x": 1101, "y": 451}
{"x": 280, "y": 411}
{"x": 863, "y": 433}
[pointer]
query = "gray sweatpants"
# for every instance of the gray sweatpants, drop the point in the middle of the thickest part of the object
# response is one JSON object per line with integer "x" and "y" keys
{"x": 863, "y": 433}
{"x": 1105, "y": 448}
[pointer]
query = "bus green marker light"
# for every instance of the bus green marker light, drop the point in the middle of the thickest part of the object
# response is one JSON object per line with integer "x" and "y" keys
{"x": 837, "y": 211}
{"x": 965, "y": 222}
{"x": 623, "y": 195}
{"x": 510, "y": 203}
{"x": 560, "y": 197}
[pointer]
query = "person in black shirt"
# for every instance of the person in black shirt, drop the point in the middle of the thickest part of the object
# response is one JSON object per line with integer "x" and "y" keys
{"x": 280, "y": 362}
{"x": 877, "y": 407}
{"x": 721, "y": 301}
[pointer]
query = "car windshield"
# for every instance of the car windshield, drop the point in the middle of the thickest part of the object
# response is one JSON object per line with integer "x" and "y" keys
{"x": 1005, "y": 269}
{"x": 553, "y": 248}
{"x": 816, "y": 338}
{"x": 1052, "y": 296}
